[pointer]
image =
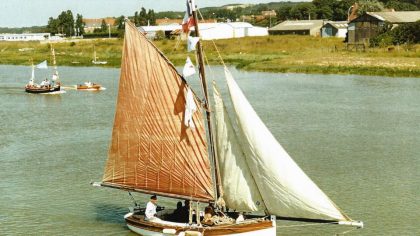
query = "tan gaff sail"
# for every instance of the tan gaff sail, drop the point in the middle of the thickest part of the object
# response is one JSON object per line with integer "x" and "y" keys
{"x": 286, "y": 190}
{"x": 239, "y": 188}
{"x": 152, "y": 151}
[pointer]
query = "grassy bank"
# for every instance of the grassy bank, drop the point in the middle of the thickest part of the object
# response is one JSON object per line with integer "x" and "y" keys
{"x": 301, "y": 54}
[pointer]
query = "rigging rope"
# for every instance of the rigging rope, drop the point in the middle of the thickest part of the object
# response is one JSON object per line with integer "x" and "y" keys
{"x": 214, "y": 44}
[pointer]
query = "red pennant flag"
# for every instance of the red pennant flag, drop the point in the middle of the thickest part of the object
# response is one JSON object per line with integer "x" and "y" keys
{"x": 187, "y": 23}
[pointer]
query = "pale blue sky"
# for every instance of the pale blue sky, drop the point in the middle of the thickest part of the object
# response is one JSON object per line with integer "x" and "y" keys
{"x": 18, "y": 13}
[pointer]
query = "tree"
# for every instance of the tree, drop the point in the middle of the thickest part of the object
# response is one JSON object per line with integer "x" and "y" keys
{"x": 407, "y": 33}
{"x": 303, "y": 11}
{"x": 119, "y": 22}
{"x": 401, "y": 6}
{"x": 66, "y": 23}
{"x": 369, "y": 6}
{"x": 151, "y": 17}
{"x": 341, "y": 9}
{"x": 323, "y": 8}
{"x": 80, "y": 25}
{"x": 52, "y": 25}
{"x": 136, "y": 18}
{"x": 283, "y": 13}
{"x": 104, "y": 26}
{"x": 143, "y": 17}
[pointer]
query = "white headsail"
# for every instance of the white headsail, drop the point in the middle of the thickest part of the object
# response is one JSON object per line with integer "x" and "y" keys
{"x": 31, "y": 80}
{"x": 286, "y": 190}
{"x": 239, "y": 188}
{"x": 42, "y": 65}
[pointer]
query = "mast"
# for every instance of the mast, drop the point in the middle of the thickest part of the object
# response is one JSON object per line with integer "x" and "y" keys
{"x": 53, "y": 59}
{"x": 206, "y": 95}
{"x": 33, "y": 70}
{"x": 94, "y": 54}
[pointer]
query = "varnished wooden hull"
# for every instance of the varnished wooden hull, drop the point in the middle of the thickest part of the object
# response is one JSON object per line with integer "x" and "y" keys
{"x": 257, "y": 227}
{"x": 41, "y": 90}
{"x": 92, "y": 87}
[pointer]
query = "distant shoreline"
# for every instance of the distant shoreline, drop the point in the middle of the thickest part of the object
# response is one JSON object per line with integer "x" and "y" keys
{"x": 284, "y": 54}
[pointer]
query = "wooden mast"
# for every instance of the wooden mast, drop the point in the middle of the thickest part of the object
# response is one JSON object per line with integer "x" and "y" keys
{"x": 206, "y": 95}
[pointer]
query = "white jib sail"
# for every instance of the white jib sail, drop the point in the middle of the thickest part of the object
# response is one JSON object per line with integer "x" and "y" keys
{"x": 239, "y": 189}
{"x": 42, "y": 65}
{"x": 286, "y": 190}
{"x": 31, "y": 81}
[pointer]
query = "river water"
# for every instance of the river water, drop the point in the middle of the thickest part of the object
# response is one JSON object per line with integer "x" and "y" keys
{"x": 357, "y": 137}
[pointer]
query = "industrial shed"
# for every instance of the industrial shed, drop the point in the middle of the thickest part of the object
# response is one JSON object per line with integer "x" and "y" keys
{"x": 210, "y": 31}
{"x": 367, "y": 26}
{"x": 301, "y": 27}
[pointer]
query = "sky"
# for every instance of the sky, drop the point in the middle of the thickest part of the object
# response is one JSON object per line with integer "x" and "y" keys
{"x": 21, "y": 13}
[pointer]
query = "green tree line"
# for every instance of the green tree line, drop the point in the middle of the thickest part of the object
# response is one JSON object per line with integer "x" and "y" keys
{"x": 66, "y": 24}
{"x": 338, "y": 10}
{"x": 144, "y": 18}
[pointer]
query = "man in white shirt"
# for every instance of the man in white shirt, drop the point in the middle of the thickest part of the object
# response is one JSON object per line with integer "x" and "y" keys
{"x": 151, "y": 209}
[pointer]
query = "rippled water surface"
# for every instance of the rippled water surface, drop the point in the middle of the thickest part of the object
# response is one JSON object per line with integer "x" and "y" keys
{"x": 357, "y": 137}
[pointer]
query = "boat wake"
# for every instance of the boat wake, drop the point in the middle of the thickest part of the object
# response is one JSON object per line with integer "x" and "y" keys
{"x": 69, "y": 87}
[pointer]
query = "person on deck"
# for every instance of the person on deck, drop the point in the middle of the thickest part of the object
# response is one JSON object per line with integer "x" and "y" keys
{"x": 185, "y": 212}
{"x": 208, "y": 215}
{"x": 43, "y": 83}
{"x": 176, "y": 216}
{"x": 150, "y": 212}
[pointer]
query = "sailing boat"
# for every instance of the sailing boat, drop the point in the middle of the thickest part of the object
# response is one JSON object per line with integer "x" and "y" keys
{"x": 46, "y": 86}
{"x": 89, "y": 86}
{"x": 95, "y": 58}
{"x": 153, "y": 151}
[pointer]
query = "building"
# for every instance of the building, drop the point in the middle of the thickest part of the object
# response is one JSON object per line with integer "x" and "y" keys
{"x": 92, "y": 24}
{"x": 367, "y": 26}
{"x": 151, "y": 31}
{"x": 233, "y": 6}
{"x": 301, "y": 27}
{"x": 210, "y": 31}
{"x": 334, "y": 29}
{"x": 271, "y": 13}
{"x": 167, "y": 21}
{"x": 25, "y": 37}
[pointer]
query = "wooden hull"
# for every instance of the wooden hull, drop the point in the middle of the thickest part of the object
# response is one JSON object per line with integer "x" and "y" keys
{"x": 91, "y": 87}
{"x": 256, "y": 227}
{"x": 41, "y": 90}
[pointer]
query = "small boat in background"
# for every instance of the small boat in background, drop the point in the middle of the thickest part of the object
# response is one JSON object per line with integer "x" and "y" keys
{"x": 46, "y": 86}
{"x": 95, "y": 58}
{"x": 89, "y": 86}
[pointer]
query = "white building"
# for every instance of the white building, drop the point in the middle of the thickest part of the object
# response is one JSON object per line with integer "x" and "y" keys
{"x": 25, "y": 37}
{"x": 210, "y": 31}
